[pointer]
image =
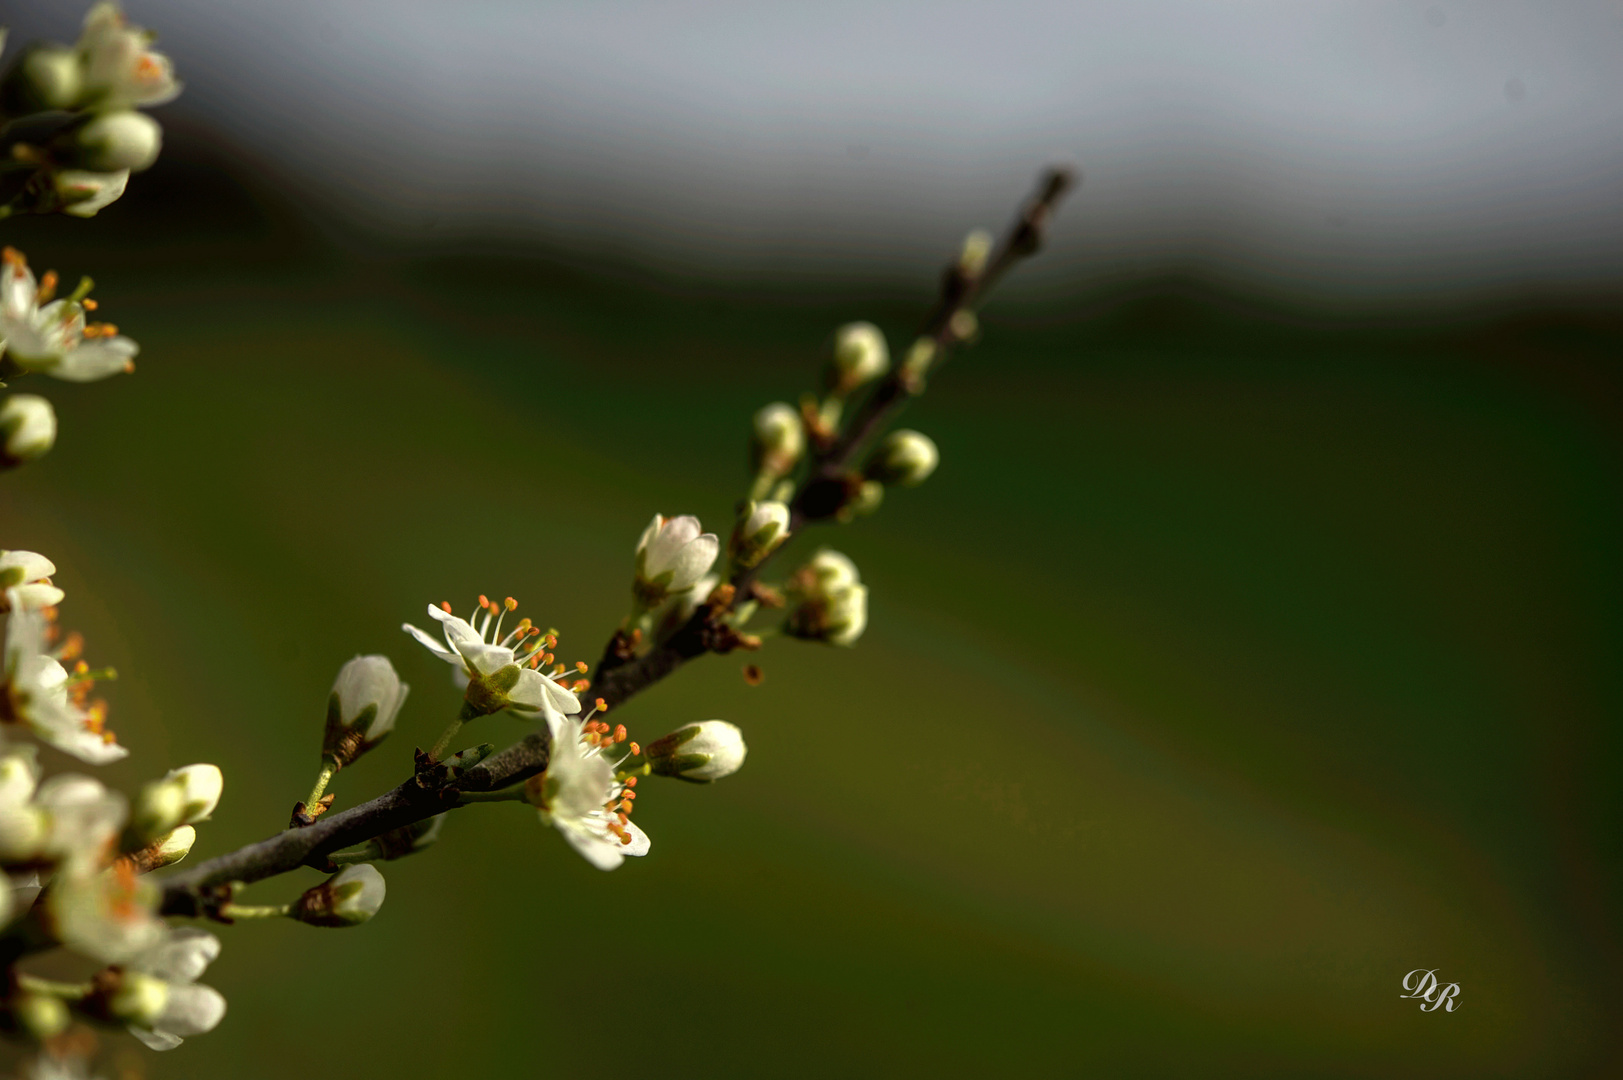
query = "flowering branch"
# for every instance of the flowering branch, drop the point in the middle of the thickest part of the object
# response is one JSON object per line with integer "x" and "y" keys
{"x": 74, "y": 854}
{"x": 830, "y": 483}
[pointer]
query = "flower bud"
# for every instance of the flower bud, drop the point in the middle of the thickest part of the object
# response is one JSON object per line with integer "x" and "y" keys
{"x": 361, "y": 710}
{"x": 672, "y": 556}
{"x": 700, "y": 753}
{"x": 166, "y": 850}
{"x": 46, "y": 77}
{"x": 972, "y": 258}
{"x": 116, "y": 141}
{"x": 348, "y": 898}
{"x": 27, "y": 429}
{"x": 25, "y": 576}
{"x": 82, "y": 193}
{"x": 827, "y": 601}
{"x": 42, "y": 1016}
{"x": 860, "y": 356}
{"x": 904, "y": 457}
{"x": 778, "y": 439}
{"x": 137, "y": 998}
{"x": 761, "y": 529}
{"x": 184, "y": 796}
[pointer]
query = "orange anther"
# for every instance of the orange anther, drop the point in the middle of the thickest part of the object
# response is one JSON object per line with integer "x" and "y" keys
{"x": 484, "y": 601}
{"x": 89, "y": 304}
{"x": 581, "y": 666}
{"x": 631, "y": 782}
{"x": 620, "y": 733}
{"x": 581, "y": 686}
{"x": 625, "y": 838}
{"x": 510, "y": 604}
{"x": 628, "y": 794}
{"x": 635, "y": 751}
{"x": 80, "y": 668}
{"x": 602, "y": 706}
{"x": 445, "y": 606}
{"x": 624, "y": 818}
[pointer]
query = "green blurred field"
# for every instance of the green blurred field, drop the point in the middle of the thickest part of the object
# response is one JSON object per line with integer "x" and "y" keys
{"x": 1229, "y": 668}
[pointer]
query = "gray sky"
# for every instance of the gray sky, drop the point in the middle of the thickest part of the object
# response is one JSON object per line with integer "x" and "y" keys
{"x": 1367, "y": 149}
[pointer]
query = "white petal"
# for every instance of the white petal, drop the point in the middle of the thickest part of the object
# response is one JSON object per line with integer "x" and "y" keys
{"x": 30, "y": 565}
{"x": 180, "y": 958}
{"x": 156, "y": 1040}
{"x": 458, "y": 632}
{"x": 694, "y": 561}
{"x": 94, "y": 360}
{"x": 192, "y": 1010}
{"x": 649, "y": 533}
{"x": 429, "y": 643}
{"x": 605, "y": 854}
{"x": 85, "y": 745}
{"x": 486, "y": 659}
{"x": 639, "y": 841}
{"x": 565, "y": 701}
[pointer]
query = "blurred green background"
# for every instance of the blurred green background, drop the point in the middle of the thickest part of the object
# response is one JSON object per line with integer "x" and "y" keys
{"x": 1237, "y": 661}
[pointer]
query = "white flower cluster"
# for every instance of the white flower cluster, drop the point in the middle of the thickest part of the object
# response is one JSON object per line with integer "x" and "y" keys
{"x": 94, "y": 88}
{"x": 73, "y": 851}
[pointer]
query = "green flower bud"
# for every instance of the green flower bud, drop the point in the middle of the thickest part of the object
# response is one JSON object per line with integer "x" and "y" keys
{"x": 778, "y": 439}
{"x": 348, "y": 898}
{"x": 46, "y": 77}
{"x": 184, "y": 796}
{"x": 361, "y": 710}
{"x": 27, "y": 429}
{"x": 699, "y": 753}
{"x": 761, "y": 529}
{"x": 860, "y": 356}
{"x": 115, "y": 141}
{"x": 905, "y": 457}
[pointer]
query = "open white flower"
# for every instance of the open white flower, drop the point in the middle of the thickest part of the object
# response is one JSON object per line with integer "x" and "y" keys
{"x": 163, "y": 1002}
{"x": 501, "y": 672}
{"x": 118, "y": 70}
{"x": 109, "y": 915}
{"x": 579, "y": 796}
{"x": 51, "y": 336}
{"x": 672, "y": 555}
{"x": 27, "y": 574}
{"x": 38, "y": 695}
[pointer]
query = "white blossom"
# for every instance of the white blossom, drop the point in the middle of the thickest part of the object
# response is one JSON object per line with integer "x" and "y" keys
{"x": 184, "y": 1008}
{"x": 501, "y": 672}
{"x": 27, "y": 575}
{"x": 54, "y": 338}
{"x": 38, "y": 695}
{"x": 119, "y": 70}
{"x": 108, "y": 915}
{"x": 580, "y": 797}
{"x": 672, "y": 555}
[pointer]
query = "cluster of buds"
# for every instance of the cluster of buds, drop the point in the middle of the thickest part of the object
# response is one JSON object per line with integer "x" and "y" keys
{"x": 85, "y": 134}
{"x": 827, "y": 601}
